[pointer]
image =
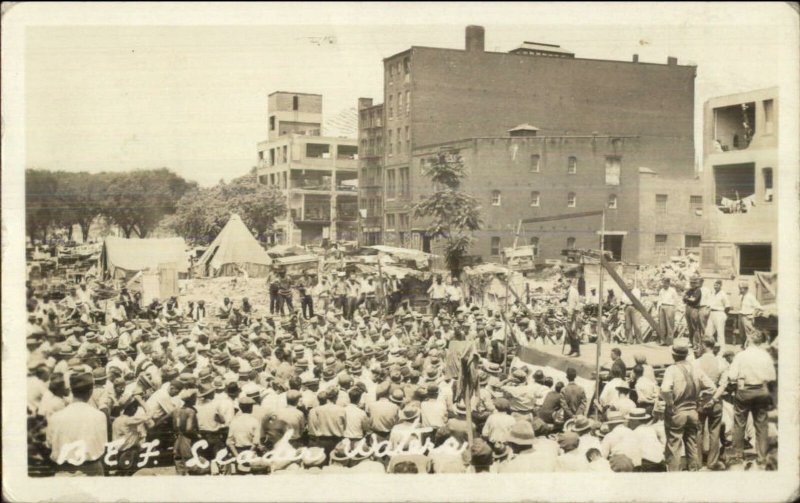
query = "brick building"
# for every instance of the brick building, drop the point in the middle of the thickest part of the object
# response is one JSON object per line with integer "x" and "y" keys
{"x": 318, "y": 174}
{"x": 649, "y": 216}
{"x": 740, "y": 159}
{"x": 370, "y": 165}
{"x": 627, "y": 114}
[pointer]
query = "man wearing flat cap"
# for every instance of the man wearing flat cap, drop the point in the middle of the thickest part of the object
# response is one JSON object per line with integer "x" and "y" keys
{"x": 78, "y": 424}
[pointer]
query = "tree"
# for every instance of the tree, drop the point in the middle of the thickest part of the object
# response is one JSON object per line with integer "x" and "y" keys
{"x": 136, "y": 201}
{"x": 452, "y": 215}
{"x": 201, "y": 214}
{"x": 78, "y": 199}
{"x": 41, "y": 207}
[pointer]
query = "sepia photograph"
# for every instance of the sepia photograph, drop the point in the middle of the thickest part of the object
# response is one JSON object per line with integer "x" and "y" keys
{"x": 400, "y": 252}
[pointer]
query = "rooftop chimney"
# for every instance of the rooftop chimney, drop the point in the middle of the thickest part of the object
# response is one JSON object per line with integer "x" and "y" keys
{"x": 672, "y": 61}
{"x": 635, "y": 58}
{"x": 474, "y": 42}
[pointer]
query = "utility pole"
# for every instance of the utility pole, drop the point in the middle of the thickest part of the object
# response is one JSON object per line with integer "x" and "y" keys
{"x": 599, "y": 311}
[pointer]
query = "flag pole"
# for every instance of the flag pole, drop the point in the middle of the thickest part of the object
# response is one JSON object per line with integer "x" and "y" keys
{"x": 599, "y": 314}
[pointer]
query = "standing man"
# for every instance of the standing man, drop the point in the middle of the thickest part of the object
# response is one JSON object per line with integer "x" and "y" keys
{"x": 306, "y": 301}
{"x": 749, "y": 307}
{"x": 753, "y": 371}
{"x": 454, "y": 295}
{"x": 633, "y": 330}
{"x": 438, "y": 294}
{"x": 573, "y": 309}
{"x": 285, "y": 293}
{"x": 274, "y": 285}
{"x": 719, "y": 306}
{"x": 78, "y": 433}
{"x": 667, "y": 300}
{"x": 680, "y": 389}
{"x": 692, "y": 299}
{"x": 704, "y": 306}
{"x": 710, "y": 410}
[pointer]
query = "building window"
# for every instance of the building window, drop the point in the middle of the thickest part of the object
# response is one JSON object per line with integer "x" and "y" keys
{"x": 399, "y": 103}
{"x": 404, "y": 221}
{"x": 696, "y": 205}
{"x": 495, "y": 246}
{"x": 535, "y": 158}
{"x": 570, "y": 243}
{"x": 318, "y": 150}
{"x": 404, "y": 188}
{"x": 261, "y": 155}
{"x": 535, "y": 199}
{"x": 496, "y": 198}
{"x": 399, "y": 141}
{"x": 572, "y": 165}
{"x": 390, "y": 184}
{"x": 389, "y": 222}
{"x": 272, "y": 123}
{"x": 691, "y": 241}
{"x": 660, "y": 248}
{"x": 754, "y": 258}
{"x": 571, "y": 202}
{"x": 389, "y": 144}
{"x": 295, "y": 103}
{"x": 767, "y": 173}
{"x": 534, "y": 242}
{"x": 661, "y": 204}
{"x": 407, "y": 65}
{"x": 769, "y": 116}
{"x": 272, "y": 157}
{"x": 408, "y": 102}
{"x": 391, "y": 107}
{"x": 408, "y": 134}
{"x": 612, "y": 202}
{"x": 285, "y": 153}
{"x": 613, "y": 169}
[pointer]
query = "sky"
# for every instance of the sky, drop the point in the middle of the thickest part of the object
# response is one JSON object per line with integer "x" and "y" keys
{"x": 120, "y": 95}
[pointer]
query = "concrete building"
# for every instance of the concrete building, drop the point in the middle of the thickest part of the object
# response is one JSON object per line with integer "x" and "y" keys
{"x": 649, "y": 216}
{"x": 318, "y": 174}
{"x": 370, "y": 164}
{"x": 584, "y": 112}
{"x": 740, "y": 159}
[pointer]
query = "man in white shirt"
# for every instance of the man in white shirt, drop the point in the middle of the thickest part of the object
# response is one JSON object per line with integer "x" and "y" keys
{"x": 719, "y": 305}
{"x": 438, "y": 295}
{"x": 753, "y": 371}
{"x": 573, "y": 310}
{"x": 749, "y": 307}
{"x": 667, "y": 300}
{"x": 454, "y": 295}
{"x": 78, "y": 433}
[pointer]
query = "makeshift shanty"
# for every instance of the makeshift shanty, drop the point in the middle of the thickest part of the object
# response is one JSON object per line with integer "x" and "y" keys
{"x": 297, "y": 264}
{"x": 284, "y": 250}
{"x": 234, "y": 250}
{"x": 420, "y": 258}
{"x": 122, "y": 258}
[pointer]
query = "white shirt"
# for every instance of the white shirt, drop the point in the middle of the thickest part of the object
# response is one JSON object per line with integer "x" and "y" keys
{"x": 668, "y": 297}
{"x": 718, "y": 301}
{"x": 79, "y": 424}
{"x": 454, "y": 293}
{"x": 749, "y": 304}
{"x": 753, "y": 365}
{"x": 437, "y": 291}
{"x": 705, "y": 297}
{"x": 622, "y": 440}
{"x": 651, "y": 446}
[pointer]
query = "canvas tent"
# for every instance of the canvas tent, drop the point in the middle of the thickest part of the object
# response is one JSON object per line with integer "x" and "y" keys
{"x": 234, "y": 248}
{"x": 123, "y": 258}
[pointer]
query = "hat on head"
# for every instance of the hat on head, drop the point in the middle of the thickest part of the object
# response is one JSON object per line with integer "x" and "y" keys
{"x": 521, "y": 433}
{"x": 680, "y": 348}
{"x": 637, "y": 414}
{"x": 409, "y": 413}
{"x": 251, "y": 389}
{"x": 519, "y": 375}
{"x": 81, "y": 381}
{"x": 218, "y": 383}
{"x": 206, "y": 389}
{"x": 614, "y": 417}
{"x": 397, "y": 396}
{"x": 99, "y": 375}
{"x": 578, "y": 424}
{"x": 492, "y": 368}
{"x": 432, "y": 374}
{"x": 460, "y": 408}
{"x": 246, "y": 400}
{"x": 500, "y": 451}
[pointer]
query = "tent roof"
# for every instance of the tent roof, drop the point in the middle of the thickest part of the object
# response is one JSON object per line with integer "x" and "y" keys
{"x": 140, "y": 254}
{"x": 234, "y": 245}
{"x": 297, "y": 259}
{"x": 402, "y": 253}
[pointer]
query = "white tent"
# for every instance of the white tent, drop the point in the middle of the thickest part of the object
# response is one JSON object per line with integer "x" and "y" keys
{"x": 233, "y": 249}
{"x": 123, "y": 258}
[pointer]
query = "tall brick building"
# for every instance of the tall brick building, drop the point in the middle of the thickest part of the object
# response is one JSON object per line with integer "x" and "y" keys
{"x": 587, "y": 114}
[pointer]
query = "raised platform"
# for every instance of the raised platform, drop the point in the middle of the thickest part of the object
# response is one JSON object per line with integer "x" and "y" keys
{"x": 552, "y": 356}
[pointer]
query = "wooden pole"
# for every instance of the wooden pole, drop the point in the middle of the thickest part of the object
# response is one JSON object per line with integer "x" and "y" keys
{"x": 384, "y": 299}
{"x": 599, "y": 339}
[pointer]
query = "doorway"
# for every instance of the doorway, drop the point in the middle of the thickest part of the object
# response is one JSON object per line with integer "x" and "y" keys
{"x": 613, "y": 244}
